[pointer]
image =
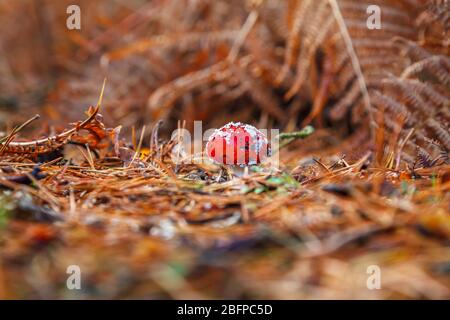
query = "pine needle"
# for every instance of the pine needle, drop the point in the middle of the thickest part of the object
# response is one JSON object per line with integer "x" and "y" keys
{"x": 6, "y": 140}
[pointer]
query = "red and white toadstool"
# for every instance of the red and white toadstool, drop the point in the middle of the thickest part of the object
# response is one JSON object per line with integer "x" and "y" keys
{"x": 237, "y": 144}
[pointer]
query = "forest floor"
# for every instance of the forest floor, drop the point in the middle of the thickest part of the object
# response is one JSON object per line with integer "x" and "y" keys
{"x": 139, "y": 226}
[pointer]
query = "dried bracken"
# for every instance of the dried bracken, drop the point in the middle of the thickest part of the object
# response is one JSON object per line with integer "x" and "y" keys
{"x": 49, "y": 144}
{"x": 369, "y": 185}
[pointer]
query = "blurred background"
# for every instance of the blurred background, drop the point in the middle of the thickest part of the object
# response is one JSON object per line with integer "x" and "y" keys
{"x": 169, "y": 60}
{"x": 139, "y": 46}
{"x": 271, "y": 63}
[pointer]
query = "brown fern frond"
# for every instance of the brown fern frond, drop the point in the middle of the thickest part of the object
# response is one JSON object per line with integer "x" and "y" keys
{"x": 442, "y": 133}
{"x": 260, "y": 92}
{"x": 293, "y": 39}
{"x": 424, "y": 159}
{"x": 166, "y": 95}
{"x": 431, "y": 93}
{"x": 312, "y": 36}
{"x": 180, "y": 40}
{"x": 438, "y": 12}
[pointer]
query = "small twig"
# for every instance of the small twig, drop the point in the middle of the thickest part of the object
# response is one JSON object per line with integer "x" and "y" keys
{"x": 88, "y": 159}
{"x": 139, "y": 147}
{"x": 91, "y": 159}
{"x": 400, "y": 149}
{"x": 291, "y": 136}
{"x": 322, "y": 165}
{"x": 305, "y": 132}
{"x": 6, "y": 140}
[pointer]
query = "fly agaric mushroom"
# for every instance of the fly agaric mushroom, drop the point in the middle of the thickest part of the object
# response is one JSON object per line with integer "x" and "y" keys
{"x": 237, "y": 144}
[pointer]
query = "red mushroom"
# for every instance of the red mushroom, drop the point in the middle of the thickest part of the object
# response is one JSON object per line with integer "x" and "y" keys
{"x": 237, "y": 144}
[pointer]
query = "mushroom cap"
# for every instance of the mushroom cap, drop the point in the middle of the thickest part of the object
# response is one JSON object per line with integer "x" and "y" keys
{"x": 237, "y": 144}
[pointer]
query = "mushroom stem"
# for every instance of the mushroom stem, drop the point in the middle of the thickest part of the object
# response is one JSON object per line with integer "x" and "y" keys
{"x": 239, "y": 171}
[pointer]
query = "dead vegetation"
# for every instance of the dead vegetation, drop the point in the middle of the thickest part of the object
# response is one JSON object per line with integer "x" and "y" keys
{"x": 369, "y": 187}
